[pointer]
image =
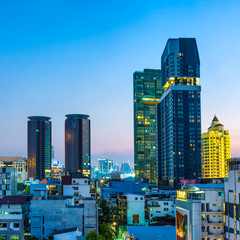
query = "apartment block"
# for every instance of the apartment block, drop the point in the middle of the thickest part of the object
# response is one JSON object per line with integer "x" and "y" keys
{"x": 8, "y": 181}
{"x": 200, "y": 212}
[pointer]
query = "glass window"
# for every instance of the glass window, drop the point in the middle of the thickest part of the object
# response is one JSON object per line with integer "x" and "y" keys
{"x": 3, "y": 225}
{"x": 16, "y": 225}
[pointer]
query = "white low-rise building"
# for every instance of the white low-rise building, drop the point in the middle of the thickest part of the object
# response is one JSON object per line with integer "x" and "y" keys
{"x": 79, "y": 187}
{"x": 135, "y": 209}
{"x": 232, "y": 201}
{"x": 160, "y": 208}
{"x": 199, "y": 212}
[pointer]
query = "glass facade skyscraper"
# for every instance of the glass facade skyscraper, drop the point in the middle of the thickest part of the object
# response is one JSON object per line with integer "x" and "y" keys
{"x": 179, "y": 113}
{"x": 39, "y": 147}
{"x": 77, "y": 144}
{"x": 147, "y": 93}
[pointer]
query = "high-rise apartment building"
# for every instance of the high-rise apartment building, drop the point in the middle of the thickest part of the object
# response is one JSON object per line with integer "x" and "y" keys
{"x": 179, "y": 113}
{"x": 232, "y": 200}
{"x": 216, "y": 151}
{"x": 77, "y": 144}
{"x": 147, "y": 93}
{"x": 39, "y": 147}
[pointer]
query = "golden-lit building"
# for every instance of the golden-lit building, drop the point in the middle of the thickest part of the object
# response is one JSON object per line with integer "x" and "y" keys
{"x": 216, "y": 151}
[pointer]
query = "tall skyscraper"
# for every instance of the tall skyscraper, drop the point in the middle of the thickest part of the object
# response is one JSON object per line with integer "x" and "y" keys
{"x": 179, "y": 113}
{"x": 39, "y": 147}
{"x": 105, "y": 167}
{"x": 77, "y": 144}
{"x": 216, "y": 151}
{"x": 147, "y": 93}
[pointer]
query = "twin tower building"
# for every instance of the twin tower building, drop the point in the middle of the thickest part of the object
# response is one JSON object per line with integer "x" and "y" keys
{"x": 167, "y": 116}
{"x": 77, "y": 146}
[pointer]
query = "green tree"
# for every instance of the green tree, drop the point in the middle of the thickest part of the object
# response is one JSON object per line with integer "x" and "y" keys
{"x": 21, "y": 186}
{"x": 107, "y": 212}
{"x": 106, "y": 231}
{"x": 27, "y": 189}
{"x": 94, "y": 235}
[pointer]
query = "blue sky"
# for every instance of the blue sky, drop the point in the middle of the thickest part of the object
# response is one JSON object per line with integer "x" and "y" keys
{"x": 60, "y": 57}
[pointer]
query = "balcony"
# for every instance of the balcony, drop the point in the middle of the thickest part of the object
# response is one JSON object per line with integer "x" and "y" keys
{"x": 216, "y": 235}
{"x": 212, "y": 212}
{"x": 212, "y": 222}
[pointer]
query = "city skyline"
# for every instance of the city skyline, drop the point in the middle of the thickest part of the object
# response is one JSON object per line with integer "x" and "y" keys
{"x": 39, "y": 61}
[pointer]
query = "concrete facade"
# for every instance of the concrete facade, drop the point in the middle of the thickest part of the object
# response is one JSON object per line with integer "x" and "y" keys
{"x": 135, "y": 209}
{"x": 17, "y": 162}
{"x": 232, "y": 201}
{"x": 48, "y": 216}
{"x": 13, "y": 217}
{"x": 8, "y": 181}
{"x": 199, "y": 212}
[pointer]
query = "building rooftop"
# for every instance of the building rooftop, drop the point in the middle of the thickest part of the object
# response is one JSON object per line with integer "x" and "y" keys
{"x": 210, "y": 185}
{"x": 39, "y": 118}
{"x": 14, "y": 199}
{"x": 10, "y": 159}
{"x": 152, "y": 232}
{"x": 77, "y": 116}
{"x": 78, "y": 176}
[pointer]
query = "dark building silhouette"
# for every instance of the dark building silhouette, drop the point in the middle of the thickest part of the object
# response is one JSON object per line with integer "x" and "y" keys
{"x": 39, "y": 147}
{"x": 179, "y": 113}
{"x": 77, "y": 144}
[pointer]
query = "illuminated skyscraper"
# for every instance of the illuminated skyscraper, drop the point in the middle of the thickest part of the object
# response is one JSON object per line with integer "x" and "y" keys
{"x": 216, "y": 151}
{"x": 105, "y": 167}
{"x": 39, "y": 147}
{"x": 147, "y": 92}
{"x": 77, "y": 144}
{"x": 179, "y": 113}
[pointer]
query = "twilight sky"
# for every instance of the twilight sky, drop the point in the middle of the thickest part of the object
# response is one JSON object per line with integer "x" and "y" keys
{"x": 76, "y": 56}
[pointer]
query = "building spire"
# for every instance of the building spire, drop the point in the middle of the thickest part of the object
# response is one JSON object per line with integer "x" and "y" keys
{"x": 215, "y": 119}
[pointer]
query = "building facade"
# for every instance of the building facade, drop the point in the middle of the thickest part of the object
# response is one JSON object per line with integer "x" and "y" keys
{"x": 48, "y": 216}
{"x": 8, "y": 181}
{"x": 77, "y": 144}
{"x": 16, "y": 162}
{"x": 77, "y": 187}
{"x": 232, "y": 200}
{"x": 105, "y": 167}
{"x": 159, "y": 203}
{"x": 147, "y": 92}
{"x": 179, "y": 113}
{"x": 39, "y": 147}
{"x": 216, "y": 151}
{"x": 132, "y": 209}
{"x": 14, "y": 218}
{"x": 200, "y": 212}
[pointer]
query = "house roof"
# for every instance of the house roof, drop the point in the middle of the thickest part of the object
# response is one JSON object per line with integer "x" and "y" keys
{"x": 14, "y": 199}
{"x": 152, "y": 232}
